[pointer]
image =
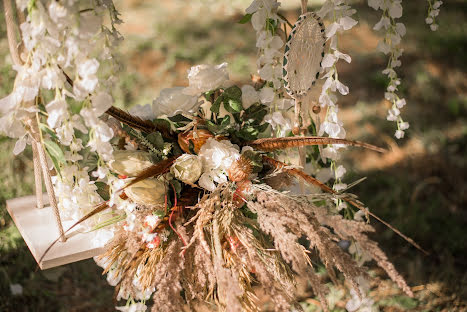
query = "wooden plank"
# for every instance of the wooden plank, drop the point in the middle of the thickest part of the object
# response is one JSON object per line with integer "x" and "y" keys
{"x": 39, "y": 230}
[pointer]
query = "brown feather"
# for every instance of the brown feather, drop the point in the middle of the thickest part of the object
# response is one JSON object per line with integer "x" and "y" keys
{"x": 270, "y": 144}
{"x": 132, "y": 121}
{"x": 309, "y": 179}
{"x": 99, "y": 208}
{"x": 155, "y": 170}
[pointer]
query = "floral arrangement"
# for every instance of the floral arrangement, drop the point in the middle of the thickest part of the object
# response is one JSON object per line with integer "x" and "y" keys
{"x": 203, "y": 195}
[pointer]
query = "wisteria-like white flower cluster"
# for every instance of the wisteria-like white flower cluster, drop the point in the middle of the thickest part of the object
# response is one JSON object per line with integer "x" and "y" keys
{"x": 265, "y": 21}
{"x": 340, "y": 14}
{"x": 390, "y": 45}
{"x": 63, "y": 39}
{"x": 433, "y": 12}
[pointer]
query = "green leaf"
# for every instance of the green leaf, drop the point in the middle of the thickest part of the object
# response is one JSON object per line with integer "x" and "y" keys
{"x": 55, "y": 153}
{"x": 255, "y": 113}
{"x": 217, "y": 104}
{"x": 263, "y": 127}
{"x": 212, "y": 126}
{"x": 233, "y": 92}
{"x": 45, "y": 128}
{"x": 163, "y": 124}
{"x": 156, "y": 139}
{"x": 179, "y": 118}
{"x": 233, "y": 106}
{"x": 248, "y": 133}
{"x": 225, "y": 122}
{"x": 102, "y": 190}
{"x": 245, "y": 19}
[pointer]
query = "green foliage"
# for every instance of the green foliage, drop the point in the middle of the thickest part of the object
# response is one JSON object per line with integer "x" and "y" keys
{"x": 245, "y": 19}
{"x": 55, "y": 153}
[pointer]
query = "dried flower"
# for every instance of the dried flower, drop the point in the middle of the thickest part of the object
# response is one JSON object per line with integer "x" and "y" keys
{"x": 130, "y": 163}
{"x": 187, "y": 168}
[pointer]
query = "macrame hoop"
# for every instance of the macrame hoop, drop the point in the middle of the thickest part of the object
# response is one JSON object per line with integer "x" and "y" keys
{"x": 290, "y": 46}
{"x": 39, "y": 156}
{"x": 301, "y": 38}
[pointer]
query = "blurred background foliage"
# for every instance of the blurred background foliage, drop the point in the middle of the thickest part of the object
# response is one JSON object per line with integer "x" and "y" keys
{"x": 419, "y": 187}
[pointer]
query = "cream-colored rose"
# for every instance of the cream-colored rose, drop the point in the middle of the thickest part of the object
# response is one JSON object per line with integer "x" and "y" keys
{"x": 172, "y": 101}
{"x": 187, "y": 168}
{"x": 149, "y": 192}
{"x": 203, "y": 78}
{"x": 130, "y": 163}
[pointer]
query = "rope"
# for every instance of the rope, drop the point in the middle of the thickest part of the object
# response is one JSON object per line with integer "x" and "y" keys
{"x": 50, "y": 190}
{"x": 39, "y": 158}
{"x": 37, "y": 175}
{"x": 11, "y": 32}
{"x": 304, "y": 6}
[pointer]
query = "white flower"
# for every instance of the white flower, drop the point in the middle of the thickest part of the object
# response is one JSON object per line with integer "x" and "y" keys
{"x": 399, "y": 134}
{"x": 187, "y": 168}
{"x": 339, "y": 187}
{"x": 375, "y": 4}
{"x": 277, "y": 121}
{"x": 148, "y": 192}
{"x": 266, "y": 95}
{"x": 400, "y": 103}
{"x": 130, "y": 163}
{"x": 434, "y": 27}
{"x": 101, "y": 102}
{"x": 217, "y": 157}
{"x": 395, "y": 9}
{"x": 16, "y": 289}
{"x": 429, "y": 20}
{"x": 134, "y": 307}
{"x": 203, "y": 78}
{"x": 340, "y": 171}
{"x": 102, "y": 237}
{"x": 58, "y": 111}
{"x": 172, "y": 101}
{"x": 20, "y": 145}
{"x": 249, "y": 96}
{"x": 404, "y": 125}
{"x": 143, "y": 111}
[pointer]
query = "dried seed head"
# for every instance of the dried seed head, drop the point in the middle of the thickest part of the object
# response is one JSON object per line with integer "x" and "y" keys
{"x": 240, "y": 170}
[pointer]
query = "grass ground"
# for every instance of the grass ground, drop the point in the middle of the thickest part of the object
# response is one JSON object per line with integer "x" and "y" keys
{"x": 420, "y": 186}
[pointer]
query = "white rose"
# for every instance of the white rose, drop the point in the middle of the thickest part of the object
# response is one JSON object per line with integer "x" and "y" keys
{"x": 149, "y": 192}
{"x": 187, "y": 168}
{"x": 143, "y": 111}
{"x": 217, "y": 157}
{"x": 172, "y": 101}
{"x": 130, "y": 163}
{"x": 203, "y": 78}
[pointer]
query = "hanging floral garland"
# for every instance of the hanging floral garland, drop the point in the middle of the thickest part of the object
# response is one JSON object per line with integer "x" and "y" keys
{"x": 190, "y": 196}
